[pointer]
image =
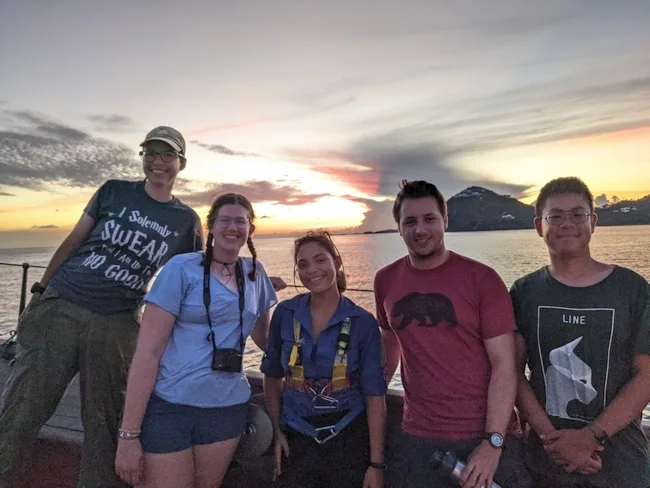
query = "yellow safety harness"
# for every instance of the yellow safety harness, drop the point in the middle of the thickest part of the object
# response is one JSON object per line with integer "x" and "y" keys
{"x": 339, "y": 381}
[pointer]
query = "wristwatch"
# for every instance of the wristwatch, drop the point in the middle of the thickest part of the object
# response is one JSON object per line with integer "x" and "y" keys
{"x": 382, "y": 466}
{"x": 37, "y": 288}
{"x": 600, "y": 435}
{"x": 495, "y": 439}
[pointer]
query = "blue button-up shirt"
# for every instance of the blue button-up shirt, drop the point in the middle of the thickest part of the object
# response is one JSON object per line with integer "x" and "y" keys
{"x": 364, "y": 352}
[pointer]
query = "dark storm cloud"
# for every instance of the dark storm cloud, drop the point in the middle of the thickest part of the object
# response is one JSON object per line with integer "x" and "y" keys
{"x": 113, "y": 124}
{"x": 375, "y": 166}
{"x": 35, "y": 151}
{"x": 255, "y": 191}
{"x": 226, "y": 151}
{"x": 522, "y": 116}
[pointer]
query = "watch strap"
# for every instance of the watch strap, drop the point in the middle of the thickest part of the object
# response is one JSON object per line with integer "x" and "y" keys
{"x": 600, "y": 435}
{"x": 37, "y": 288}
{"x": 382, "y": 466}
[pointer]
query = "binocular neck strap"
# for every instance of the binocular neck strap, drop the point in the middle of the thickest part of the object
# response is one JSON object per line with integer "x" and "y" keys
{"x": 239, "y": 275}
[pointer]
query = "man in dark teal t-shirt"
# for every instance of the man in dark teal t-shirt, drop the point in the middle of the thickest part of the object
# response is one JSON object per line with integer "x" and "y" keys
{"x": 584, "y": 333}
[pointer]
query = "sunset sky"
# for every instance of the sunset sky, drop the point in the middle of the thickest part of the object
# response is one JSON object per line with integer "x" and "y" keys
{"x": 316, "y": 110}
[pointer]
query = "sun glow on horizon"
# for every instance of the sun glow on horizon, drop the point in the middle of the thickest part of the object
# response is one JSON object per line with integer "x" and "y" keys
{"x": 615, "y": 163}
{"x": 306, "y": 195}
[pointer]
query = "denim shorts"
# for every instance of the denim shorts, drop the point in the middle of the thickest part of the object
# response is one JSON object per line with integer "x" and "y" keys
{"x": 170, "y": 427}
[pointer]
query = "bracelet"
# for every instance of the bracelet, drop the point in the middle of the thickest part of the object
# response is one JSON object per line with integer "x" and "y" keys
{"x": 128, "y": 434}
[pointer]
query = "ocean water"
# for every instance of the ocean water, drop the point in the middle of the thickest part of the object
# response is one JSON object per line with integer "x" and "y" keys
{"x": 511, "y": 253}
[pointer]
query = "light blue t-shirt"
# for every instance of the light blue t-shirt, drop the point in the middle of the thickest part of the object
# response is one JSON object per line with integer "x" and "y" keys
{"x": 185, "y": 375}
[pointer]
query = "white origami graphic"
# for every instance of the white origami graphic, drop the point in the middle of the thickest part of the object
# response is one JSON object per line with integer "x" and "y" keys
{"x": 568, "y": 378}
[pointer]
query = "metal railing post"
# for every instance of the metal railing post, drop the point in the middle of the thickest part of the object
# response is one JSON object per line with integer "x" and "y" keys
{"x": 23, "y": 289}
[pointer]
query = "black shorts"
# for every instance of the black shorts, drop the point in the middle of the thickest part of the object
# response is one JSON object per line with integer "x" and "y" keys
{"x": 340, "y": 462}
{"x": 409, "y": 462}
{"x": 169, "y": 427}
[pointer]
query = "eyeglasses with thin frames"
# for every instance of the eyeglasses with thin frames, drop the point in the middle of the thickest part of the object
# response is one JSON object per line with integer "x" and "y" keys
{"x": 150, "y": 156}
{"x": 575, "y": 216}
{"x": 225, "y": 222}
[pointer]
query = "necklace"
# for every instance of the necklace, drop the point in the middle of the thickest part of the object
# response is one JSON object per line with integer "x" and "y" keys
{"x": 225, "y": 270}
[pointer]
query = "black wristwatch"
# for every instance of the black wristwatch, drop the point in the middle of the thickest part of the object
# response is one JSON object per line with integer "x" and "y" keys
{"x": 600, "y": 435}
{"x": 37, "y": 288}
{"x": 382, "y": 466}
{"x": 495, "y": 439}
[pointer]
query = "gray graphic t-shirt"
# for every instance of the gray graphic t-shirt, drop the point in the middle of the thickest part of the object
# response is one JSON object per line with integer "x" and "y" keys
{"x": 133, "y": 236}
{"x": 581, "y": 344}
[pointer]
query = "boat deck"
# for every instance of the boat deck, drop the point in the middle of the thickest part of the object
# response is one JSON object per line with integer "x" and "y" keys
{"x": 54, "y": 462}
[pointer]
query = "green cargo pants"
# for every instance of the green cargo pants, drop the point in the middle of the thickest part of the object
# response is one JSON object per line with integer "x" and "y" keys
{"x": 56, "y": 340}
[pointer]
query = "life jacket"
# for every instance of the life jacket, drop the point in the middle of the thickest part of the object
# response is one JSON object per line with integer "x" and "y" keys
{"x": 320, "y": 390}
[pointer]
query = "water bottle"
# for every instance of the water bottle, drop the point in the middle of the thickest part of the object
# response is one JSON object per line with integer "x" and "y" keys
{"x": 448, "y": 464}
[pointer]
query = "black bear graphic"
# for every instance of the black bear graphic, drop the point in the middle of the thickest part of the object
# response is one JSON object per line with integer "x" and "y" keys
{"x": 422, "y": 306}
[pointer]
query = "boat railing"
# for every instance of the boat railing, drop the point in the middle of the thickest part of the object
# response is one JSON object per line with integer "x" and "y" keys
{"x": 23, "y": 285}
{"x": 26, "y": 267}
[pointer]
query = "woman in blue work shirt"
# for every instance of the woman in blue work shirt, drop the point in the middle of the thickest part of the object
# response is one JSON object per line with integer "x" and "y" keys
{"x": 324, "y": 383}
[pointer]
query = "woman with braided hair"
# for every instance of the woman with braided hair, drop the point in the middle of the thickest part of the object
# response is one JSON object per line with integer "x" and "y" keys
{"x": 187, "y": 396}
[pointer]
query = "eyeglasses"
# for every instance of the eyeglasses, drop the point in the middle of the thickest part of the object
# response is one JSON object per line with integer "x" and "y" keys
{"x": 575, "y": 216}
{"x": 225, "y": 222}
{"x": 166, "y": 156}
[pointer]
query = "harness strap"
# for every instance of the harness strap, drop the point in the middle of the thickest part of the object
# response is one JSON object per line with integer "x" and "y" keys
{"x": 340, "y": 371}
{"x": 295, "y": 361}
{"x": 323, "y": 434}
{"x": 340, "y": 380}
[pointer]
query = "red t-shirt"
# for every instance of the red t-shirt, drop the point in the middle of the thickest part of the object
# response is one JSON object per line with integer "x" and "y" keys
{"x": 442, "y": 317}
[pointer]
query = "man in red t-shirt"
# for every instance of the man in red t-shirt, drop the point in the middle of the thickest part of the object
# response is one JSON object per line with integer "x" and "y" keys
{"x": 449, "y": 319}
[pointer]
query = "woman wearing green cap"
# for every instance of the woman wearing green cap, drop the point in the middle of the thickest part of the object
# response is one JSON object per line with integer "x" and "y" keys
{"x": 82, "y": 315}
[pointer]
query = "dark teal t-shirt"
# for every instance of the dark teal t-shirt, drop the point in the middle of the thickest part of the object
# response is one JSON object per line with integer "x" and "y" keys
{"x": 133, "y": 236}
{"x": 581, "y": 343}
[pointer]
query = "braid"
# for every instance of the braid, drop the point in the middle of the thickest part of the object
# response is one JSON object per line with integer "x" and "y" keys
{"x": 207, "y": 259}
{"x": 253, "y": 274}
{"x": 212, "y": 215}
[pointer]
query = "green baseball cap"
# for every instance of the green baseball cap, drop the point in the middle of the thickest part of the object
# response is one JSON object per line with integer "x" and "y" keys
{"x": 166, "y": 134}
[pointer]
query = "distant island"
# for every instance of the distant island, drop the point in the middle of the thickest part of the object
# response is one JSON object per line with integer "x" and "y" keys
{"x": 479, "y": 209}
{"x": 386, "y": 231}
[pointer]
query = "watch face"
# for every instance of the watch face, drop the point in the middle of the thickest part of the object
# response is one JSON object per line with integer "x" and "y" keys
{"x": 496, "y": 440}
{"x": 37, "y": 288}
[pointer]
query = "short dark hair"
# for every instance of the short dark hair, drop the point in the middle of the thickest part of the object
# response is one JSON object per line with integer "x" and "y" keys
{"x": 561, "y": 186}
{"x": 418, "y": 189}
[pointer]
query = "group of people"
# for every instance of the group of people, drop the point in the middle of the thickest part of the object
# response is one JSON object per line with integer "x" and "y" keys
{"x": 165, "y": 400}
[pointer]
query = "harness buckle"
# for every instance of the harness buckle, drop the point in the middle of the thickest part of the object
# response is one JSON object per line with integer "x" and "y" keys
{"x": 320, "y": 399}
{"x": 331, "y": 433}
